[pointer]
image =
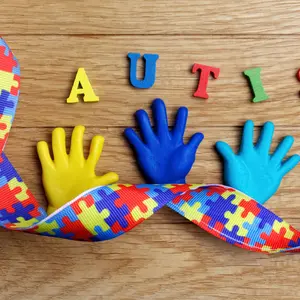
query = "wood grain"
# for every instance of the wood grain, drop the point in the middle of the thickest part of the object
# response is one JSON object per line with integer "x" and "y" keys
{"x": 151, "y": 17}
{"x": 166, "y": 257}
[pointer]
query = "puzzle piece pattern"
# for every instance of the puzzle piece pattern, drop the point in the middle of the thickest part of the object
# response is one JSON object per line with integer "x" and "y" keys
{"x": 104, "y": 213}
{"x": 107, "y": 212}
{"x": 138, "y": 214}
{"x": 18, "y": 207}
{"x": 237, "y": 219}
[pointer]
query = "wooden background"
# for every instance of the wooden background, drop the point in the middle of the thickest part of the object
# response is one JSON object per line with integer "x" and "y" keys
{"x": 166, "y": 257}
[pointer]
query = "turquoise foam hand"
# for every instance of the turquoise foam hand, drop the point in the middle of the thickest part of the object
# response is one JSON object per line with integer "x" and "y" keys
{"x": 253, "y": 170}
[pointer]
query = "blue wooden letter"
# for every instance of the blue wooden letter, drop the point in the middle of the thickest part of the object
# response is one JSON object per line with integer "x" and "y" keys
{"x": 150, "y": 70}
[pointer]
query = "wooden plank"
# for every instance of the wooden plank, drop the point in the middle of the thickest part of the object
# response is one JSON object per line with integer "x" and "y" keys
{"x": 153, "y": 17}
{"x": 166, "y": 257}
{"x": 176, "y": 260}
{"x": 118, "y": 157}
{"x": 49, "y": 65}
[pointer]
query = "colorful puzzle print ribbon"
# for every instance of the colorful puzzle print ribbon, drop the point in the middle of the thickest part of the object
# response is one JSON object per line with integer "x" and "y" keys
{"x": 106, "y": 212}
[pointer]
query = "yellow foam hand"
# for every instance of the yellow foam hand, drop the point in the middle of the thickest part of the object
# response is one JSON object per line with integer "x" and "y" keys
{"x": 68, "y": 175}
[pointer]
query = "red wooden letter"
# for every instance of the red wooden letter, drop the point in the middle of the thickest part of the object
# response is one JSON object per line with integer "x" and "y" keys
{"x": 205, "y": 71}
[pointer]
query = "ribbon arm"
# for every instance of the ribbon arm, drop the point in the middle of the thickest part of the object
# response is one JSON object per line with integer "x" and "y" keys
{"x": 237, "y": 219}
{"x": 17, "y": 205}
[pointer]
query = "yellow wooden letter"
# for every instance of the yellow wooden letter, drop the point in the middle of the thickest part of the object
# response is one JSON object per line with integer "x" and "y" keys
{"x": 82, "y": 86}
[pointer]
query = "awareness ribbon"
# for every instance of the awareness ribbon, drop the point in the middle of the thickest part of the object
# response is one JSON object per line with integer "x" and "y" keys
{"x": 106, "y": 212}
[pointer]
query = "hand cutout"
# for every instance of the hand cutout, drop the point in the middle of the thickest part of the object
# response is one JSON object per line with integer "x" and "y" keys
{"x": 161, "y": 154}
{"x": 253, "y": 170}
{"x": 67, "y": 176}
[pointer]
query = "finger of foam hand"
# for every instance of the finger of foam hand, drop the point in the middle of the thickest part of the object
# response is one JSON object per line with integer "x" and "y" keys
{"x": 160, "y": 118}
{"x": 76, "y": 149}
{"x": 180, "y": 123}
{"x": 290, "y": 164}
{"x": 106, "y": 179}
{"x": 282, "y": 149}
{"x": 95, "y": 150}
{"x": 59, "y": 146}
{"x": 265, "y": 138}
{"x": 247, "y": 138}
{"x": 145, "y": 126}
{"x": 44, "y": 155}
{"x": 195, "y": 141}
{"x": 225, "y": 151}
{"x": 134, "y": 140}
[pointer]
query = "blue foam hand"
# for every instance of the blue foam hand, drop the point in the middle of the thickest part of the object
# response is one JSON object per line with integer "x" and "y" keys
{"x": 255, "y": 171}
{"x": 162, "y": 155}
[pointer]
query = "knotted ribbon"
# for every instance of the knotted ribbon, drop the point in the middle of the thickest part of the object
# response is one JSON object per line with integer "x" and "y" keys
{"x": 106, "y": 212}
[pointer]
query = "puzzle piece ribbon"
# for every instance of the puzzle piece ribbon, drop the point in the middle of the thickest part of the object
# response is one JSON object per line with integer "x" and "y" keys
{"x": 106, "y": 212}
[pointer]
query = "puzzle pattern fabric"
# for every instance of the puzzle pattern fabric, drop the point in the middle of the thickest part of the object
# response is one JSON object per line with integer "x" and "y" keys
{"x": 107, "y": 212}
